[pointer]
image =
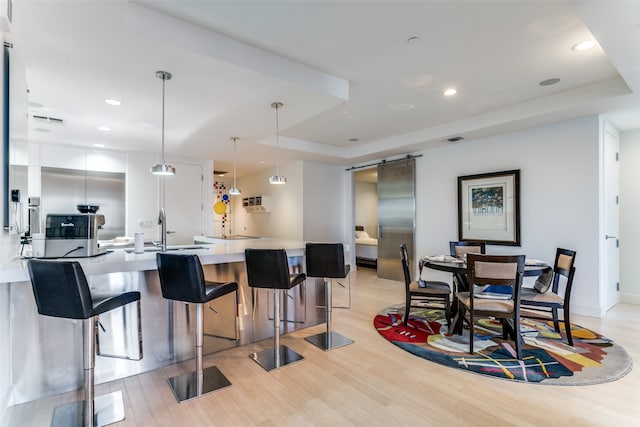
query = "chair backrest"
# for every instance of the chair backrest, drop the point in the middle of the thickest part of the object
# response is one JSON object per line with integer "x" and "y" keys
{"x": 325, "y": 260}
{"x": 564, "y": 266}
{"x": 267, "y": 268}
{"x": 406, "y": 269}
{"x": 496, "y": 270}
{"x": 460, "y": 249}
{"x": 181, "y": 277}
{"x": 60, "y": 289}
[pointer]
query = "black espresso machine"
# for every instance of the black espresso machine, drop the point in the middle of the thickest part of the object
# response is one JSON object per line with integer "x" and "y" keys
{"x": 73, "y": 235}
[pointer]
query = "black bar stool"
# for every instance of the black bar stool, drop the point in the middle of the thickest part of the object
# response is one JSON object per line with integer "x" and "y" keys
{"x": 61, "y": 290}
{"x": 269, "y": 268}
{"x": 326, "y": 260}
{"x": 182, "y": 279}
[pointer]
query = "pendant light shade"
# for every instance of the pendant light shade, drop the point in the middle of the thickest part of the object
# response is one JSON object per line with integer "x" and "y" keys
{"x": 234, "y": 191}
{"x": 277, "y": 178}
{"x": 163, "y": 168}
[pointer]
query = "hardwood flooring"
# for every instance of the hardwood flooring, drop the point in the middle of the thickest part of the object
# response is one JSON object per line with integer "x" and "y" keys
{"x": 369, "y": 383}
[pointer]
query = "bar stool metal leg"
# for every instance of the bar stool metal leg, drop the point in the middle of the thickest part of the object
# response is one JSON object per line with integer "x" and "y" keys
{"x": 328, "y": 340}
{"x": 200, "y": 381}
{"x": 92, "y": 411}
{"x": 279, "y": 355}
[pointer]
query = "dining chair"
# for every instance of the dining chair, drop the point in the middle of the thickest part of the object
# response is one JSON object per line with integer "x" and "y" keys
{"x": 545, "y": 305}
{"x": 424, "y": 291}
{"x": 498, "y": 271}
{"x": 459, "y": 250}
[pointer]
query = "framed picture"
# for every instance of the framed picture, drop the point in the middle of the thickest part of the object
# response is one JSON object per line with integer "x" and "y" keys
{"x": 489, "y": 208}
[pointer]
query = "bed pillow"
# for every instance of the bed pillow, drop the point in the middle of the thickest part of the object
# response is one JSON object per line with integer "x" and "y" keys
{"x": 361, "y": 234}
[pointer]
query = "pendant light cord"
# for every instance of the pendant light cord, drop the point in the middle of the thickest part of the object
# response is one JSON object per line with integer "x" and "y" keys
{"x": 277, "y": 142}
{"x": 234, "y": 161}
{"x": 163, "y": 83}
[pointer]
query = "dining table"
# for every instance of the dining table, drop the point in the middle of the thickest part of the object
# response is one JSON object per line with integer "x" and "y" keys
{"x": 458, "y": 267}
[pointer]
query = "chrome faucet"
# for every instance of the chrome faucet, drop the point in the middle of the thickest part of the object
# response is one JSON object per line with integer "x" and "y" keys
{"x": 162, "y": 221}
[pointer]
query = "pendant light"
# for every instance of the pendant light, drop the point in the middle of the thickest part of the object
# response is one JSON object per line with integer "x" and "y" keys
{"x": 163, "y": 168}
{"x": 277, "y": 178}
{"x": 234, "y": 191}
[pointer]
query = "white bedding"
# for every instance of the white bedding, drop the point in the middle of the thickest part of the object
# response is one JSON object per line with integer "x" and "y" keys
{"x": 366, "y": 247}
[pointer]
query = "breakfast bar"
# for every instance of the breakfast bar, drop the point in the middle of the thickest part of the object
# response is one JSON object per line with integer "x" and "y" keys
{"x": 43, "y": 355}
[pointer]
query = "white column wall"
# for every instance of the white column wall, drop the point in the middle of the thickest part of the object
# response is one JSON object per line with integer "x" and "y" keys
{"x": 324, "y": 203}
{"x": 629, "y": 215}
{"x": 559, "y": 196}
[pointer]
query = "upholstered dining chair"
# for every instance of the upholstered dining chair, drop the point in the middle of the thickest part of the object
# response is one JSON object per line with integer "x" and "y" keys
{"x": 499, "y": 271}
{"x": 538, "y": 303}
{"x": 423, "y": 291}
{"x": 459, "y": 250}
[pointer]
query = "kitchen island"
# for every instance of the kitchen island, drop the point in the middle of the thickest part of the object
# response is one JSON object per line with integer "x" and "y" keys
{"x": 45, "y": 352}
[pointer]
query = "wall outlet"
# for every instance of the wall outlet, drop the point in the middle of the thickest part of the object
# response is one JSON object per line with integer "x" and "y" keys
{"x": 141, "y": 222}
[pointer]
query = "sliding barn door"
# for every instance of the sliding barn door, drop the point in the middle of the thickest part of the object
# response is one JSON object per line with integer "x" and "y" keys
{"x": 396, "y": 215}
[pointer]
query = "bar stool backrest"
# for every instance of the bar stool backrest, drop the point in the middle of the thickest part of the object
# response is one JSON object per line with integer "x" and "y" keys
{"x": 267, "y": 268}
{"x": 325, "y": 260}
{"x": 181, "y": 277}
{"x": 60, "y": 289}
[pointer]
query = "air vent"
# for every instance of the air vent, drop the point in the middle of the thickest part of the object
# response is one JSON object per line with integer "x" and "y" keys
{"x": 51, "y": 120}
{"x": 220, "y": 173}
{"x": 455, "y": 138}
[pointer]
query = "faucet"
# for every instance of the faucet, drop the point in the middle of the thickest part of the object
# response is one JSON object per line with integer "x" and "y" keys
{"x": 162, "y": 221}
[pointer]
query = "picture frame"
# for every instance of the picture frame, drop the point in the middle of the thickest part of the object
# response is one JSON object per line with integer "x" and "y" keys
{"x": 489, "y": 208}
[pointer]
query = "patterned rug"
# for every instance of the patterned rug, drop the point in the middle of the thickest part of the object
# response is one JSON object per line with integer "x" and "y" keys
{"x": 546, "y": 356}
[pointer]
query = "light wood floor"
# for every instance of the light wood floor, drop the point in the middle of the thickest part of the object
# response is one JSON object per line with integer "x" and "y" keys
{"x": 370, "y": 383}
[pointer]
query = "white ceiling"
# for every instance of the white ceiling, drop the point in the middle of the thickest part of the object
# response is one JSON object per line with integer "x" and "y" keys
{"x": 342, "y": 69}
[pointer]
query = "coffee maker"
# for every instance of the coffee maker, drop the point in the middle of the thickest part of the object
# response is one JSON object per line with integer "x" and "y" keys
{"x": 73, "y": 235}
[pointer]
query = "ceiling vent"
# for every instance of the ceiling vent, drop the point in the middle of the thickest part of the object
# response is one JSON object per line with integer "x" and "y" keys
{"x": 455, "y": 138}
{"x": 50, "y": 120}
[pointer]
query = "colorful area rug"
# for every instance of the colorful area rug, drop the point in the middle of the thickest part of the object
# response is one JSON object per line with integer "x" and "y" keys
{"x": 546, "y": 356}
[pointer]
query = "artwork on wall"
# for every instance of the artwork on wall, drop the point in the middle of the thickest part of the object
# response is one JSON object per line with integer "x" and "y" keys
{"x": 489, "y": 208}
{"x": 221, "y": 209}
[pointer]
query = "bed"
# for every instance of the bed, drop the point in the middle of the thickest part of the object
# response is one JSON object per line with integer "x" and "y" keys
{"x": 366, "y": 248}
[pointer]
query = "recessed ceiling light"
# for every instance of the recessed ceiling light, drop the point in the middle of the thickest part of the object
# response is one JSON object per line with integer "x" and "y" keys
{"x": 549, "y": 82}
{"x": 402, "y": 107}
{"x": 584, "y": 45}
{"x": 450, "y": 92}
{"x": 104, "y": 128}
{"x": 113, "y": 102}
{"x": 99, "y": 145}
{"x": 413, "y": 40}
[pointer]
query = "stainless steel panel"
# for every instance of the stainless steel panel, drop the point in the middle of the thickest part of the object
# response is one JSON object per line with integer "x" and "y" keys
{"x": 46, "y": 352}
{"x": 396, "y": 215}
{"x": 63, "y": 189}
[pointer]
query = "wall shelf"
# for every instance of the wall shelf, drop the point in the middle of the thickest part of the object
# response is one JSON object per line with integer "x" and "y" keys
{"x": 256, "y": 204}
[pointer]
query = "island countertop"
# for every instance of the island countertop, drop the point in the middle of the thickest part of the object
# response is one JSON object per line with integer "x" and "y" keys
{"x": 13, "y": 268}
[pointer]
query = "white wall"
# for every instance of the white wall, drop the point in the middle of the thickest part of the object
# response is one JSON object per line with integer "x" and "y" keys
{"x": 559, "y": 184}
{"x": 324, "y": 203}
{"x": 285, "y": 219}
{"x": 629, "y": 215}
{"x": 366, "y": 207}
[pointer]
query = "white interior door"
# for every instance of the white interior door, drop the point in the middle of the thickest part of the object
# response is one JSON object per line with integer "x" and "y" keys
{"x": 183, "y": 201}
{"x": 611, "y": 285}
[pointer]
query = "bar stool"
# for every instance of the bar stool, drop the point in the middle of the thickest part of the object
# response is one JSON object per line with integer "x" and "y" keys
{"x": 326, "y": 260}
{"x": 269, "y": 268}
{"x": 182, "y": 279}
{"x": 61, "y": 290}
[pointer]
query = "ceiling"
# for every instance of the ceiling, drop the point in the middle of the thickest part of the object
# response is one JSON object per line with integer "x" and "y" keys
{"x": 355, "y": 88}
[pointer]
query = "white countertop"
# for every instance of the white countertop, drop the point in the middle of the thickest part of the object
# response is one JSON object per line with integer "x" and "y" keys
{"x": 13, "y": 268}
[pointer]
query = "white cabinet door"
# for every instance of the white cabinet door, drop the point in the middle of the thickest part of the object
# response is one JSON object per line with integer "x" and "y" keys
{"x": 183, "y": 201}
